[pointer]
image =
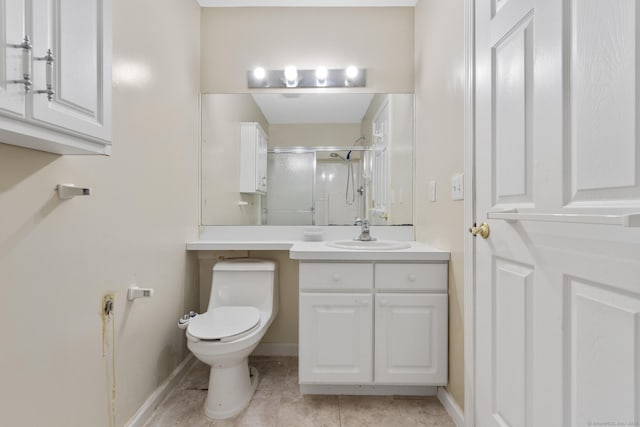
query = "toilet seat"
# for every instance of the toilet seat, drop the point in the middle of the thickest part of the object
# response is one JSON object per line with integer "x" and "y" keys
{"x": 224, "y": 323}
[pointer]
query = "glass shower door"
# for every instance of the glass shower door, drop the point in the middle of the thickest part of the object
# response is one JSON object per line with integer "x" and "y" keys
{"x": 289, "y": 200}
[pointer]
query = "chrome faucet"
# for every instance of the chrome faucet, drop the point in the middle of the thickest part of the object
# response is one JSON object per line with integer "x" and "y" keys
{"x": 365, "y": 234}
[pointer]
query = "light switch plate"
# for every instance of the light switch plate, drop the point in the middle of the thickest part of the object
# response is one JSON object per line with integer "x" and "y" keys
{"x": 457, "y": 187}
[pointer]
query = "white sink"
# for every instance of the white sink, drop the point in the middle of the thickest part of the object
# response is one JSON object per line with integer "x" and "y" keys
{"x": 374, "y": 245}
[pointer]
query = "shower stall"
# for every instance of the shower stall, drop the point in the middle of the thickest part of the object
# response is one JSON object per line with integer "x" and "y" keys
{"x": 316, "y": 185}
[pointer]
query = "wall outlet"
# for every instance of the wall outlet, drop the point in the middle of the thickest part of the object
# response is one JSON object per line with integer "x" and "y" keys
{"x": 457, "y": 187}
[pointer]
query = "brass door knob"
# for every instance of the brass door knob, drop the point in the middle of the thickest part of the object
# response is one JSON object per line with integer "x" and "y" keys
{"x": 483, "y": 230}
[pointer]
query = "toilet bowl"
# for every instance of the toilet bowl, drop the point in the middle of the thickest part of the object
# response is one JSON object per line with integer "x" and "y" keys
{"x": 242, "y": 305}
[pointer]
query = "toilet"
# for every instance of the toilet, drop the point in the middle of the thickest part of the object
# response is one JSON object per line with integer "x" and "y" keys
{"x": 242, "y": 305}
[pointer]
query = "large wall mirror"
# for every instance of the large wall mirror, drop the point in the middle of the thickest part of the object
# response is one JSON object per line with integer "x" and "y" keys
{"x": 307, "y": 159}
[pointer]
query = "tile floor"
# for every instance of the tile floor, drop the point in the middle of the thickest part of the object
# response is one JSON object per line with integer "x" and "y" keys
{"x": 278, "y": 403}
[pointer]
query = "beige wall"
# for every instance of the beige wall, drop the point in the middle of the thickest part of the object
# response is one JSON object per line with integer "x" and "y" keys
{"x": 235, "y": 40}
{"x": 221, "y": 118}
{"x": 440, "y": 153}
{"x": 313, "y": 135}
{"x": 58, "y": 258}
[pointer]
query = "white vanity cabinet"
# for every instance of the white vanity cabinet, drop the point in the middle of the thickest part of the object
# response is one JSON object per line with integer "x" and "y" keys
{"x": 67, "y": 67}
{"x": 373, "y": 323}
{"x": 253, "y": 158}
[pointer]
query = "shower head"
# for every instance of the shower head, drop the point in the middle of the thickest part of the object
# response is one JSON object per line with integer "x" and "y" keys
{"x": 338, "y": 156}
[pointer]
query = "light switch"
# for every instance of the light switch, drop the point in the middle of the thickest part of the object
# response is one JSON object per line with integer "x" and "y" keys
{"x": 457, "y": 187}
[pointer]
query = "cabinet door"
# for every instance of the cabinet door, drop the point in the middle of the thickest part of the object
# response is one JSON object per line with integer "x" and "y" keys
{"x": 78, "y": 32}
{"x": 336, "y": 338}
{"x": 411, "y": 339}
{"x": 12, "y": 32}
{"x": 261, "y": 162}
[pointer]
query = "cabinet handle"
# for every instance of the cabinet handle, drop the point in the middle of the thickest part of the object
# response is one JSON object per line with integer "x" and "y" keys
{"x": 336, "y": 278}
{"x": 412, "y": 277}
{"x": 50, "y": 60}
{"x": 27, "y": 49}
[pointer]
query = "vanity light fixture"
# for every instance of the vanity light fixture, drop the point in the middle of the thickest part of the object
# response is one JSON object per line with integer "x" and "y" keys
{"x": 291, "y": 76}
{"x": 352, "y": 74}
{"x": 259, "y": 73}
{"x": 321, "y": 77}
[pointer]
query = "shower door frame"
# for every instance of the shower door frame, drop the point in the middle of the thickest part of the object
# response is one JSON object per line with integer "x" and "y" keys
{"x": 314, "y": 151}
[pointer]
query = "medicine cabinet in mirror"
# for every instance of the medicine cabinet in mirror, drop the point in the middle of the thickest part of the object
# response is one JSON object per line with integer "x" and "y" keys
{"x": 307, "y": 159}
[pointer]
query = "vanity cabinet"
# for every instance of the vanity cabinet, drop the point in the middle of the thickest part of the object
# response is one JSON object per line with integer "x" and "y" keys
{"x": 66, "y": 66}
{"x": 253, "y": 158}
{"x": 373, "y": 323}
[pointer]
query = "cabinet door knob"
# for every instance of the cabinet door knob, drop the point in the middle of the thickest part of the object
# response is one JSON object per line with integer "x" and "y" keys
{"x": 336, "y": 277}
{"x": 412, "y": 277}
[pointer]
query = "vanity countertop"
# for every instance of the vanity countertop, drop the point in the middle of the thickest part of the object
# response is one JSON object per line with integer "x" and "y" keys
{"x": 239, "y": 245}
{"x": 319, "y": 251}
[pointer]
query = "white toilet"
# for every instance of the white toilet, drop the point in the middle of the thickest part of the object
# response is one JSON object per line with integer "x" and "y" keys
{"x": 243, "y": 303}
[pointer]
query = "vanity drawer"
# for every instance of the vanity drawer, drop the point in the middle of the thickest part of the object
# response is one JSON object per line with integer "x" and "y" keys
{"x": 412, "y": 277}
{"x": 323, "y": 275}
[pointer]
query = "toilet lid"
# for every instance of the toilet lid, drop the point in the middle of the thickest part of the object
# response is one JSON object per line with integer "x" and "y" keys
{"x": 223, "y": 322}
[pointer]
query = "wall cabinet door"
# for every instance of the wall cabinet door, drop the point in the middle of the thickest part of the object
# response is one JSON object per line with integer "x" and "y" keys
{"x": 12, "y": 33}
{"x": 253, "y": 158}
{"x": 411, "y": 339}
{"x": 68, "y": 107}
{"x": 79, "y": 36}
{"x": 336, "y": 338}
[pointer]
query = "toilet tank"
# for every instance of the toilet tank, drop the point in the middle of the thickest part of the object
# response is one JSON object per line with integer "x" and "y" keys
{"x": 245, "y": 281}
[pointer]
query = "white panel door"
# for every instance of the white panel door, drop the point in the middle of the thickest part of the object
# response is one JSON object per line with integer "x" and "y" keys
{"x": 336, "y": 338}
{"x": 557, "y": 325}
{"x": 12, "y": 33}
{"x": 80, "y": 42}
{"x": 411, "y": 339}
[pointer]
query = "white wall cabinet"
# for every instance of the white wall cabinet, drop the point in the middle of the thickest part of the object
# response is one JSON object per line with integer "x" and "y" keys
{"x": 67, "y": 109}
{"x": 253, "y": 158}
{"x": 373, "y": 323}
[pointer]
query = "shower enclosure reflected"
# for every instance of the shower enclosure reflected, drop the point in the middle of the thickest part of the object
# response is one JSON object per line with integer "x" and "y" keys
{"x": 297, "y": 179}
{"x": 315, "y": 186}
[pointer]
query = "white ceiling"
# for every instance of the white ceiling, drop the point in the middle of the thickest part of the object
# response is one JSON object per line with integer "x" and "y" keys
{"x": 306, "y": 3}
{"x": 313, "y": 108}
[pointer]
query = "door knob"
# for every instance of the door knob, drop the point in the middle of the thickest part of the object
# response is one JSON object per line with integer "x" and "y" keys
{"x": 483, "y": 230}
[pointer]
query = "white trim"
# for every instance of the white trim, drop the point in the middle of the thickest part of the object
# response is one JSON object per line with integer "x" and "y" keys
{"x": 146, "y": 410}
{"x": 274, "y": 349}
{"x": 307, "y": 3}
{"x": 451, "y": 407}
{"x": 469, "y": 214}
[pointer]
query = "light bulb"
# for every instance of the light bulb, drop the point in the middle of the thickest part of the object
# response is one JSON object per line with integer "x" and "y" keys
{"x": 352, "y": 72}
{"x": 322, "y": 73}
{"x": 259, "y": 73}
{"x": 291, "y": 75}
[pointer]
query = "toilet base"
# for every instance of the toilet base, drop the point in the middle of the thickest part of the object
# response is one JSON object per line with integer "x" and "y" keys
{"x": 231, "y": 388}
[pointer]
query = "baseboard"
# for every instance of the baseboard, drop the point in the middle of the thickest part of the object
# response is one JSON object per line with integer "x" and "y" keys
{"x": 450, "y": 405}
{"x": 274, "y": 349}
{"x": 146, "y": 410}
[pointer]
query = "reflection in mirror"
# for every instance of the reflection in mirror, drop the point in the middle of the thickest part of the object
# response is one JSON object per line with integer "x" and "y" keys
{"x": 307, "y": 159}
